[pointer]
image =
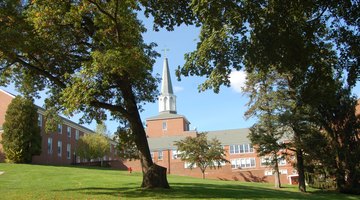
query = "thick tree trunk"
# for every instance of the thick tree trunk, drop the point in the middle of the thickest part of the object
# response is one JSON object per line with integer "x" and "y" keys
{"x": 154, "y": 176}
{"x": 300, "y": 169}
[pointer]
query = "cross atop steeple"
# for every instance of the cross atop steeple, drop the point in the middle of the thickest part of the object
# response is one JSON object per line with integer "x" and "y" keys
{"x": 165, "y": 50}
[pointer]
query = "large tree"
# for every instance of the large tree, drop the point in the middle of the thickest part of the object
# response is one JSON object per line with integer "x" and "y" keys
{"x": 91, "y": 57}
{"x": 21, "y": 138}
{"x": 312, "y": 42}
{"x": 201, "y": 152}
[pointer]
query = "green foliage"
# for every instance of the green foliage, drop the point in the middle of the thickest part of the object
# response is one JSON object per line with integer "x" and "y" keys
{"x": 93, "y": 146}
{"x": 201, "y": 152}
{"x": 21, "y": 138}
{"x": 126, "y": 144}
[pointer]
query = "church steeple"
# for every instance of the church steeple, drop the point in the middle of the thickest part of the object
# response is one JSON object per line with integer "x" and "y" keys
{"x": 167, "y": 99}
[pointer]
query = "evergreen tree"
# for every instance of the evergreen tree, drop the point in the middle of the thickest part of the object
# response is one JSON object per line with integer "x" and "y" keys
{"x": 21, "y": 138}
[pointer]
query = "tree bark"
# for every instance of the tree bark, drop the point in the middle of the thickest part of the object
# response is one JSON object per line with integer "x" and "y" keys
{"x": 300, "y": 169}
{"x": 277, "y": 175}
{"x": 154, "y": 176}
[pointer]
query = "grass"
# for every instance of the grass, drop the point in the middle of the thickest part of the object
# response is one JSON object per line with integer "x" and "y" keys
{"x": 54, "y": 182}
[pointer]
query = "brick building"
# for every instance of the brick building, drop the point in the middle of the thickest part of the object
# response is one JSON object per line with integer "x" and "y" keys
{"x": 168, "y": 126}
{"x": 58, "y": 148}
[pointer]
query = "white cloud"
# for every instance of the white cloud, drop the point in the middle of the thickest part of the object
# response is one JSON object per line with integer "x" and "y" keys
{"x": 237, "y": 80}
{"x": 178, "y": 89}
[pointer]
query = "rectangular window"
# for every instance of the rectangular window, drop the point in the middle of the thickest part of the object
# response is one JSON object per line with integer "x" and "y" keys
{"x": 242, "y": 163}
{"x": 174, "y": 154}
{"x": 236, "y": 149}
{"x": 40, "y": 118}
{"x": 268, "y": 172}
{"x": 283, "y": 171}
{"x": 77, "y": 135}
{"x": 164, "y": 126}
{"x": 68, "y": 131}
{"x": 265, "y": 161}
{"x": 282, "y": 161}
{"x": 59, "y": 148}
{"x": 187, "y": 165}
{"x": 160, "y": 155}
{"x": 59, "y": 128}
{"x": 246, "y": 147}
{"x": 241, "y": 148}
{"x": 251, "y": 148}
{"x": 50, "y": 148}
{"x": 232, "y": 151}
{"x": 68, "y": 151}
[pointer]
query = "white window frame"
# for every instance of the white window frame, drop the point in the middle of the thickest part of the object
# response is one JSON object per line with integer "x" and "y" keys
{"x": 164, "y": 125}
{"x": 243, "y": 163}
{"x": 160, "y": 155}
{"x": 268, "y": 172}
{"x": 59, "y": 148}
{"x": 59, "y": 128}
{"x": 174, "y": 154}
{"x": 283, "y": 171}
{"x": 50, "y": 146}
{"x": 241, "y": 148}
{"x": 68, "y": 131}
{"x": 77, "y": 134}
{"x": 68, "y": 151}
{"x": 187, "y": 165}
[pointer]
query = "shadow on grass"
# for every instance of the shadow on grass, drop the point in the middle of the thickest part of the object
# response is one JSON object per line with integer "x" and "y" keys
{"x": 205, "y": 191}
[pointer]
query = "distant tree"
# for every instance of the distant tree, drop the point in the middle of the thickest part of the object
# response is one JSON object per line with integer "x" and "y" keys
{"x": 101, "y": 128}
{"x": 93, "y": 146}
{"x": 21, "y": 138}
{"x": 201, "y": 152}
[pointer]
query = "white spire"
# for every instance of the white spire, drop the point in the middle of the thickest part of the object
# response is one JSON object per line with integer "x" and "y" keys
{"x": 167, "y": 99}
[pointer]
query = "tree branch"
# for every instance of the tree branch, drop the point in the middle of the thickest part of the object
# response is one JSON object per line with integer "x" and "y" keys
{"x": 102, "y": 10}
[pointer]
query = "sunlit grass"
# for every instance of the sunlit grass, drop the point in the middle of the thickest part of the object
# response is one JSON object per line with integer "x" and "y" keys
{"x": 53, "y": 182}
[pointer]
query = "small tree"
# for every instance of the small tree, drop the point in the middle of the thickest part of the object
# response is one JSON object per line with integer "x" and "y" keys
{"x": 201, "y": 152}
{"x": 21, "y": 138}
{"x": 93, "y": 146}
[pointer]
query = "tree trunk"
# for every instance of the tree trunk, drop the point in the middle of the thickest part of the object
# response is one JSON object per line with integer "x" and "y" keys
{"x": 277, "y": 175}
{"x": 300, "y": 169}
{"x": 203, "y": 174}
{"x": 154, "y": 176}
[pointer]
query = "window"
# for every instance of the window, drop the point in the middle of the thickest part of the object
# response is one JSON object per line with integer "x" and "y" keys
{"x": 40, "y": 118}
{"x": 265, "y": 161}
{"x": 268, "y": 172}
{"x": 242, "y": 163}
{"x": 283, "y": 171}
{"x": 59, "y": 148}
{"x": 50, "y": 148}
{"x": 77, "y": 135}
{"x": 68, "y": 151}
{"x": 187, "y": 165}
{"x": 164, "y": 126}
{"x": 282, "y": 161}
{"x": 59, "y": 128}
{"x": 174, "y": 154}
{"x": 68, "y": 131}
{"x": 160, "y": 155}
{"x": 242, "y": 148}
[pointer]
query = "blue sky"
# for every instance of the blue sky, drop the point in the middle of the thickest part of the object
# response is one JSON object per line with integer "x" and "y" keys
{"x": 206, "y": 111}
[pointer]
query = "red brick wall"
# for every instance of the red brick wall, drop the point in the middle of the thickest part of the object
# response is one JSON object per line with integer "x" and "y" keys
{"x": 256, "y": 174}
{"x": 5, "y": 100}
{"x": 175, "y": 126}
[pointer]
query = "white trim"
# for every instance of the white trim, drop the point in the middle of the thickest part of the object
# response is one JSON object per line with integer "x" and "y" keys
{"x": 9, "y": 94}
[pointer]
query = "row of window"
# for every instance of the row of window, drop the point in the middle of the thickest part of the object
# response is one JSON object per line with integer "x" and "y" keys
{"x": 59, "y": 128}
{"x": 59, "y": 148}
{"x": 241, "y": 148}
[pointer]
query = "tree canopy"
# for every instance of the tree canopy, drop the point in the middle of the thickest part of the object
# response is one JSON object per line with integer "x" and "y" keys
{"x": 91, "y": 57}
{"x": 93, "y": 146}
{"x": 21, "y": 138}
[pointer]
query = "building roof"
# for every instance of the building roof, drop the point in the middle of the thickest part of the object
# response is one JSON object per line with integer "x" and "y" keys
{"x": 166, "y": 86}
{"x": 226, "y": 137}
{"x": 166, "y": 115}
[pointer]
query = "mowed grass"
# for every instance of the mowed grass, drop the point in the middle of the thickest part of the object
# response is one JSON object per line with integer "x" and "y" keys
{"x": 54, "y": 182}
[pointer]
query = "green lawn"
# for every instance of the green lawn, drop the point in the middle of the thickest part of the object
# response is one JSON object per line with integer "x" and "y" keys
{"x": 52, "y": 182}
